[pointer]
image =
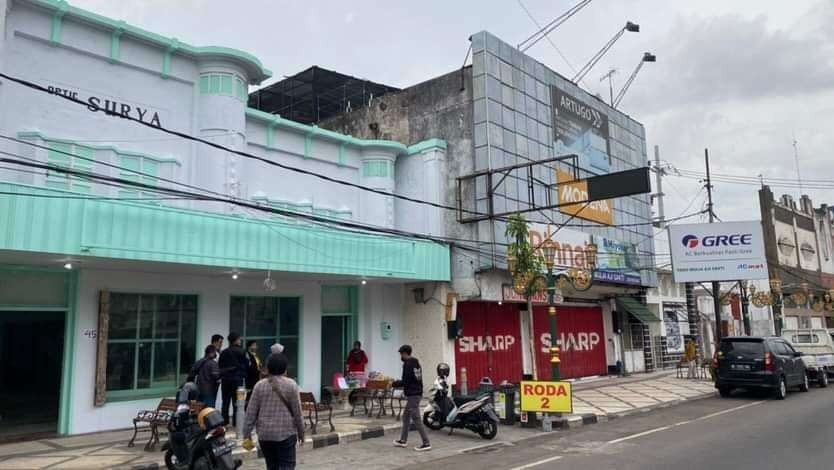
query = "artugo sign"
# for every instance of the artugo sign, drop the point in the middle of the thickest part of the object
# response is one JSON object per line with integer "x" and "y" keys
{"x": 728, "y": 251}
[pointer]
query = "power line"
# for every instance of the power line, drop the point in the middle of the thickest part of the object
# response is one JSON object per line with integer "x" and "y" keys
{"x": 547, "y": 36}
{"x": 92, "y": 160}
{"x": 543, "y": 32}
{"x": 267, "y": 161}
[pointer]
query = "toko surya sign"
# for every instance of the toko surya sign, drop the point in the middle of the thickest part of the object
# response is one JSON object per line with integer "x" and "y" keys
{"x": 546, "y": 397}
{"x": 728, "y": 251}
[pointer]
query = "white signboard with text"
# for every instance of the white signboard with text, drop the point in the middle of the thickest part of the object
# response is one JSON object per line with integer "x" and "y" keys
{"x": 727, "y": 251}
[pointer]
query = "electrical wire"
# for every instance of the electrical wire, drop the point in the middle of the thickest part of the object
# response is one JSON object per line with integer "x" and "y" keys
{"x": 365, "y": 227}
{"x": 543, "y": 32}
{"x": 547, "y": 37}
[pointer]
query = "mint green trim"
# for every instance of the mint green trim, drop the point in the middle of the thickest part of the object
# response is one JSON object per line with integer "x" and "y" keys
{"x": 166, "y": 57}
{"x": 58, "y": 22}
{"x": 116, "y": 43}
{"x": 354, "y": 308}
{"x": 308, "y": 145}
{"x": 38, "y": 135}
{"x": 301, "y": 364}
{"x": 68, "y": 369}
{"x": 377, "y": 169}
{"x": 256, "y": 71}
{"x": 304, "y": 208}
{"x": 270, "y": 132}
{"x": 224, "y": 84}
{"x": 342, "y": 154}
{"x": 70, "y": 310}
{"x": 426, "y": 145}
{"x": 317, "y": 132}
{"x": 141, "y": 394}
{"x": 145, "y": 232}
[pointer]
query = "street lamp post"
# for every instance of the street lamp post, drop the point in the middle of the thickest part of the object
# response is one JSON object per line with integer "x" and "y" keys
{"x": 526, "y": 262}
{"x": 549, "y": 252}
{"x": 776, "y": 301}
{"x": 745, "y": 307}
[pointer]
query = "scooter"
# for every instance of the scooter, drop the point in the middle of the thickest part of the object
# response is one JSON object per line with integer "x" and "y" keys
{"x": 476, "y": 415}
{"x": 197, "y": 442}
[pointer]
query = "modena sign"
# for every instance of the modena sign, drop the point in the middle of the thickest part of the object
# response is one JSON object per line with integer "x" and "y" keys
{"x": 571, "y": 190}
{"x": 729, "y": 251}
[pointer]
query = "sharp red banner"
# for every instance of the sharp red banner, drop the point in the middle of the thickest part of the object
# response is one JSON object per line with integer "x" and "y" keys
{"x": 581, "y": 341}
{"x": 491, "y": 342}
{"x": 490, "y": 345}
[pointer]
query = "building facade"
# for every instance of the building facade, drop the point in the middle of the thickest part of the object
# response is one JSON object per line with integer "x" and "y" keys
{"x": 800, "y": 253}
{"x": 120, "y": 283}
{"x": 508, "y": 109}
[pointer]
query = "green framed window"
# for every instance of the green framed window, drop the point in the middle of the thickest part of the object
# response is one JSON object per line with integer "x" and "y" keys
{"x": 377, "y": 168}
{"x": 138, "y": 169}
{"x": 227, "y": 84}
{"x": 268, "y": 320}
{"x": 69, "y": 156}
{"x": 151, "y": 343}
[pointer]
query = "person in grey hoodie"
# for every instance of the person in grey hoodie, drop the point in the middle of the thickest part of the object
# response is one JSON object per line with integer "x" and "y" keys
{"x": 206, "y": 374}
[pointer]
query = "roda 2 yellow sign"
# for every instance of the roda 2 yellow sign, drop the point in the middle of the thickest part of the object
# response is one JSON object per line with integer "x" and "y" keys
{"x": 547, "y": 397}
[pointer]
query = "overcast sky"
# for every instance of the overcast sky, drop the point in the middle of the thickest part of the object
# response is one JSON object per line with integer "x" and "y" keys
{"x": 741, "y": 77}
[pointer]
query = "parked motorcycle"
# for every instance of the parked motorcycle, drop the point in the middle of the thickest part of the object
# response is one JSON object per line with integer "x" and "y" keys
{"x": 474, "y": 414}
{"x": 197, "y": 441}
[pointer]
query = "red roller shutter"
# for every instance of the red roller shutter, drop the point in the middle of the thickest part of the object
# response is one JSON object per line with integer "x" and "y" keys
{"x": 582, "y": 337}
{"x": 490, "y": 346}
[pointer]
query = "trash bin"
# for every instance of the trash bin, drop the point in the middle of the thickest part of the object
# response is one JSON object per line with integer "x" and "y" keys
{"x": 505, "y": 404}
{"x": 485, "y": 386}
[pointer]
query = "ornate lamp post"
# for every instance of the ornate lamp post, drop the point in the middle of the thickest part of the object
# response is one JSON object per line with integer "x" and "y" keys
{"x": 531, "y": 280}
{"x": 776, "y": 301}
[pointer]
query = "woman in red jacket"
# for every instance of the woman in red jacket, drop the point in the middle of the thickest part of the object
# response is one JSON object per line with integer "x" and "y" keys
{"x": 357, "y": 360}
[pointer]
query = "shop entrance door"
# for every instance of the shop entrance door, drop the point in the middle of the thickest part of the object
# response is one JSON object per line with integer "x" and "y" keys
{"x": 31, "y": 357}
{"x": 336, "y": 339}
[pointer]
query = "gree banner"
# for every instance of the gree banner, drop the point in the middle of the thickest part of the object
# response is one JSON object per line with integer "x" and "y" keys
{"x": 571, "y": 190}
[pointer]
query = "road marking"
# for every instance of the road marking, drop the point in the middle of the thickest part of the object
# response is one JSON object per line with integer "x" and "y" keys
{"x": 729, "y": 410}
{"x": 639, "y": 434}
{"x": 663, "y": 428}
{"x": 486, "y": 446}
{"x": 537, "y": 463}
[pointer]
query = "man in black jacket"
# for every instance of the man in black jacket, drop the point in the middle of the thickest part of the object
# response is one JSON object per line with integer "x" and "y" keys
{"x": 412, "y": 384}
{"x": 233, "y": 364}
{"x": 206, "y": 374}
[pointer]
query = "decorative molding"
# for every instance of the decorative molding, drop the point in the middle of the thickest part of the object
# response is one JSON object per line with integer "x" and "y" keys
{"x": 256, "y": 71}
{"x": 58, "y": 22}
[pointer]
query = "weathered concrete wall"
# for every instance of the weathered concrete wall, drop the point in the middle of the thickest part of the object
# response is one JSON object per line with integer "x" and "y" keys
{"x": 439, "y": 108}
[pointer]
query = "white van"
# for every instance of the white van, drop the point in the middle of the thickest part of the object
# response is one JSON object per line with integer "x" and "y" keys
{"x": 817, "y": 348}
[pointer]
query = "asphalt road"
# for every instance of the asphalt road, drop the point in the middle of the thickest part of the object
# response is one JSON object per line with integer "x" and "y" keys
{"x": 742, "y": 432}
{"x": 738, "y": 433}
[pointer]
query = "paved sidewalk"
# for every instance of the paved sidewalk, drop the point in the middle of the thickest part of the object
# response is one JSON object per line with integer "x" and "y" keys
{"x": 594, "y": 401}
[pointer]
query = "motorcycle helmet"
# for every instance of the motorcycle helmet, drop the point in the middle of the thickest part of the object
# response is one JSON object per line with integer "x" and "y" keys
{"x": 443, "y": 370}
{"x": 209, "y": 418}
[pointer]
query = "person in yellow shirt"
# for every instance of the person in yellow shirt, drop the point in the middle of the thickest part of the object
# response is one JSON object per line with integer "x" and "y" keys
{"x": 691, "y": 358}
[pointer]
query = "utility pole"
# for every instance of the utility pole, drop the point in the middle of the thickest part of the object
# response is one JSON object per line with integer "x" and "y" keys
{"x": 661, "y": 218}
{"x": 716, "y": 288}
{"x": 692, "y": 315}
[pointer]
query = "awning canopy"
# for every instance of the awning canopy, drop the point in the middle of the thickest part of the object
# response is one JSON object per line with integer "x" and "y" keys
{"x": 637, "y": 309}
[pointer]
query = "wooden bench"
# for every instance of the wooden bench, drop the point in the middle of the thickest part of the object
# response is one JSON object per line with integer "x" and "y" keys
{"x": 153, "y": 420}
{"x": 309, "y": 404}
